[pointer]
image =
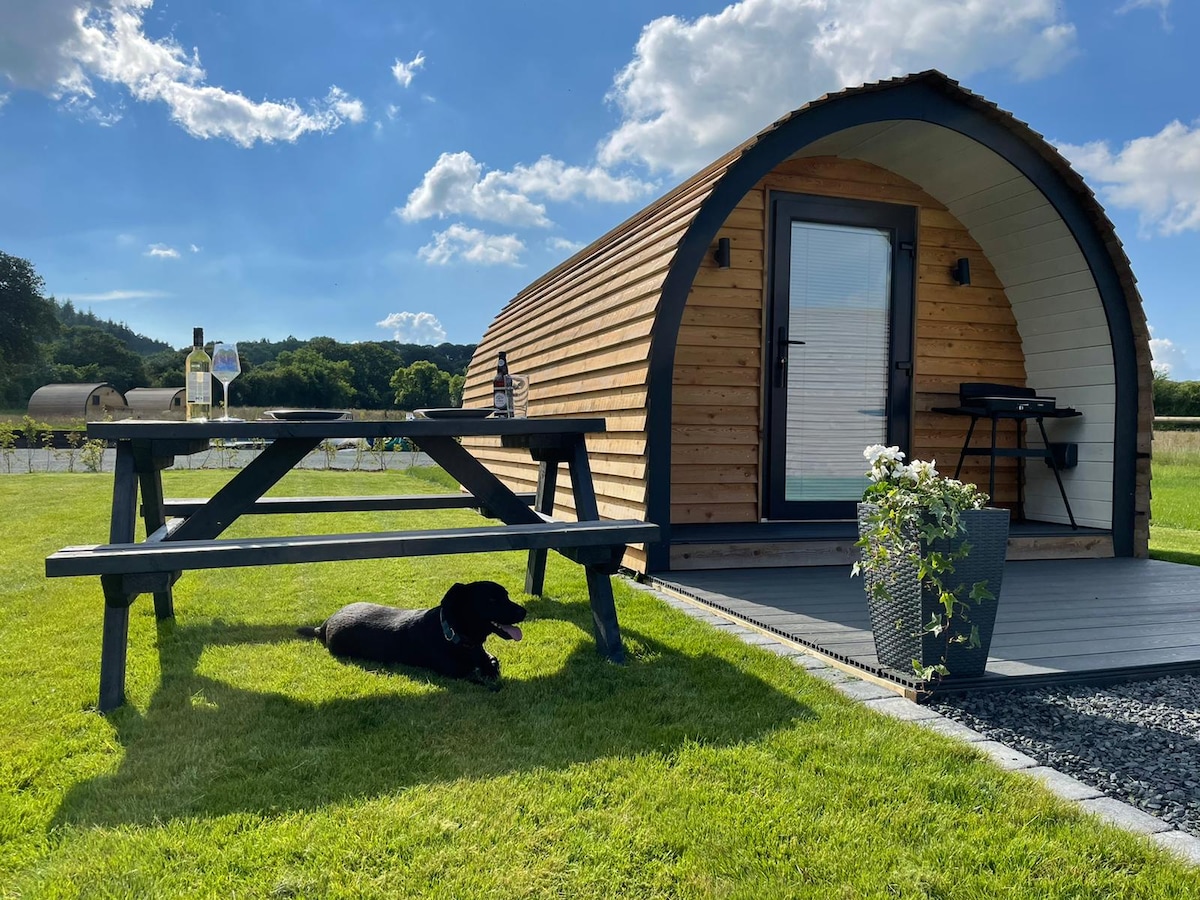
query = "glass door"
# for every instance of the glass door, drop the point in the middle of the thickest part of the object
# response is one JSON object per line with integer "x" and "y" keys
{"x": 841, "y": 348}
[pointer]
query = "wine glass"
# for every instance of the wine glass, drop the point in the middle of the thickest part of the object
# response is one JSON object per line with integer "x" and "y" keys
{"x": 225, "y": 367}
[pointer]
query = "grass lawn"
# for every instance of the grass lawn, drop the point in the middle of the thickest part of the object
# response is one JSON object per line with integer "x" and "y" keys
{"x": 250, "y": 763}
{"x": 1175, "y": 502}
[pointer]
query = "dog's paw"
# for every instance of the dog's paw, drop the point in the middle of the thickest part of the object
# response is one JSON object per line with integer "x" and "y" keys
{"x": 489, "y": 680}
{"x": 487, "y": 673}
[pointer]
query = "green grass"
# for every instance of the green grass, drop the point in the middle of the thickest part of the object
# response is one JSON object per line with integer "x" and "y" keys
{"x": 250, "y": 763}
{"x": 1175, "y": 500}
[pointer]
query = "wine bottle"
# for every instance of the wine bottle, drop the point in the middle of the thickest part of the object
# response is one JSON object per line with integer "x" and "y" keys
{"x": 502, "y": 389}
{"x": 198, "y": 372}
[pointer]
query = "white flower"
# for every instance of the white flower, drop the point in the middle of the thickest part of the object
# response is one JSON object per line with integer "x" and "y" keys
{"x": 877, "y": 452}
{"x": 923, "y": 471}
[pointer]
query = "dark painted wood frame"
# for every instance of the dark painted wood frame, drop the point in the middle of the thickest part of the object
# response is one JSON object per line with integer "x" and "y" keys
{"x": 901, "y": 222}
{"x": 937, "y": 101}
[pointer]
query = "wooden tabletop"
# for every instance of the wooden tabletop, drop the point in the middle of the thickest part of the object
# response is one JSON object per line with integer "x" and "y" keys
{"x": 369, "y": 429}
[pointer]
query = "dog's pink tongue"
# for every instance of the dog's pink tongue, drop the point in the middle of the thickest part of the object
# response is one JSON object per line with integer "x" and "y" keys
{"x": 513, "y": 632}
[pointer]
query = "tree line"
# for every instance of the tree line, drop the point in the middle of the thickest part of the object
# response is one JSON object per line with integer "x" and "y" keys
{"x": 43, "y": 341}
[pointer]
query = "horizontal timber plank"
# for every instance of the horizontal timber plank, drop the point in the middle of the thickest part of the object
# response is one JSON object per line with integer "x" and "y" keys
{"x": 274, "y": 505}
{"x": 119, "y": 559}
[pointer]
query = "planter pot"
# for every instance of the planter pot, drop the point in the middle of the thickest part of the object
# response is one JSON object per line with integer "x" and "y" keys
{"x": 895, "y": 622}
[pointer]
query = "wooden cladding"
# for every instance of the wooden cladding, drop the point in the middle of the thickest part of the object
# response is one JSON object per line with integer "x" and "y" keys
{"x": 582, "y": 334}
{"x": 962, "y": 334}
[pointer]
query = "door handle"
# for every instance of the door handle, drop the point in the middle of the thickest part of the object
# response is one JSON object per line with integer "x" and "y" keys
{"x": 781, "y": 350}
{"x": 904, "y": 366}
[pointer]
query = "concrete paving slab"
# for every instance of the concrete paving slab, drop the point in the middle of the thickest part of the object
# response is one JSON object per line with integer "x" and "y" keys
{"x": 1124, "y": 816}
{"x": 1064, "y": 785}
{"x": 953, "y": 729}
{"x": 1180, "y": 843}
{"x": 1006, "y": 757}
{"x": 857, "y": 689}
{"x": 901, "y": 708}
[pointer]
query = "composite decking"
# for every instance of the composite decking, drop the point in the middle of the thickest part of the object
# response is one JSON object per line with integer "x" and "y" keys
{"x": 1079, "y": 620}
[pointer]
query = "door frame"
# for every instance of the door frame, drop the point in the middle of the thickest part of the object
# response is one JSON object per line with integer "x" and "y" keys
{"x": 901, "y": 221}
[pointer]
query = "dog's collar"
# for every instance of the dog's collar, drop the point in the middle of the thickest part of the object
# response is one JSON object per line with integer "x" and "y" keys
{"x": 450, "y": 633}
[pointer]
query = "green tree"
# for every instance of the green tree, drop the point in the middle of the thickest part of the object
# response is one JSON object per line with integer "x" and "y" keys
{"x": 165, "y": 368}
{"x": 457, "y": 383}
{"x": 297, "y": 378}
{"x": 421, "y": 385}
{"x": 83, "y": 353}
{"x": 373, "y": 364}
{"x": 27, "y": 319}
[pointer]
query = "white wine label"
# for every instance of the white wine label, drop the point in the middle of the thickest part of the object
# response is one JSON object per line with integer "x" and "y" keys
{"x": 199, "y": 387}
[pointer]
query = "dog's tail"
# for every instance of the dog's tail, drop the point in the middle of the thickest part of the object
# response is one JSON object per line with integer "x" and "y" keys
{"x": 309, "y": 631}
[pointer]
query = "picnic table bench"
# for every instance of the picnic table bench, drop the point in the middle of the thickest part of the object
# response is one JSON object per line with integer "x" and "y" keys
{"x": 184, "y": 534}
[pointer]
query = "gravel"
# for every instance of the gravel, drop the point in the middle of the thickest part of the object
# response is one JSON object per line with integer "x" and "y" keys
{"x": 1138, "y": 742}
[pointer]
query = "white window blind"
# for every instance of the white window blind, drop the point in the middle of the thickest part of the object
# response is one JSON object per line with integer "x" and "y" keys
{"x": 839, "y": 305}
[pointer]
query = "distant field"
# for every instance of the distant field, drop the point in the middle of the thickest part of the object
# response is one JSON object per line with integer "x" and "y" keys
{"x": 1175, "y": 497}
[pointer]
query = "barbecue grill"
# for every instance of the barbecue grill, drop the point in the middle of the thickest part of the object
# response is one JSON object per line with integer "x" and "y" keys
{"x": 987, "y": 400}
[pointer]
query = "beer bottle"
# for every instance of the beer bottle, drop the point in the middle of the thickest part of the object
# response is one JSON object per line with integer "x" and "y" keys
{"x": 502, "y": 389}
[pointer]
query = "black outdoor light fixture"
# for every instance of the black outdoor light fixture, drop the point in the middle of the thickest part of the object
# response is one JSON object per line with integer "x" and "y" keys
{"x": 722, "y": 255}
{"x": 962, "y": 270}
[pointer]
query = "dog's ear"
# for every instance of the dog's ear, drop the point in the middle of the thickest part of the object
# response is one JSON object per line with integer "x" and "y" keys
{"x": 454, "y": 604}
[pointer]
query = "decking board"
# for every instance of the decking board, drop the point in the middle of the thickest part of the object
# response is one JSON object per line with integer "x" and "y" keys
{"x": 1072, "y": 620}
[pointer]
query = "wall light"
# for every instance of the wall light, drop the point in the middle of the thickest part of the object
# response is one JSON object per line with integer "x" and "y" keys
{"x": 723, "y": 254}
{"x": 962, "y": 270}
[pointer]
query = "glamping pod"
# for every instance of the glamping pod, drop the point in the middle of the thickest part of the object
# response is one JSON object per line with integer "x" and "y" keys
{"x": 841, "y": 279}
{"x": 90, "y": 402}
{"x": 156, "y": 403}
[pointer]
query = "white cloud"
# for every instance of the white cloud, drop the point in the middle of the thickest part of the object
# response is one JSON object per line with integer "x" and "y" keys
{"x": 58, "y": 46}
{"x": 414, "y": 328}
{"x": 1157, "y": 176}
{"x": 470, "y": 244}
{"x": 162, "y": 251}
{"x": 193, "y": 248}
{"x": 457, "y": 185}
{"x": 403, "y": 72}
{"x": 119, "y": 295}
{"x": 558, "y": 243}
{"x": 695, "y": 89}
{"x": 1160, "y": 5}
{"x": 1167, "y": 356}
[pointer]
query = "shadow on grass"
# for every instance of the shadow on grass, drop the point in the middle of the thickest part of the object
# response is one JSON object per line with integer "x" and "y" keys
{"x": 207, "y": 748}
{"x": 1177, "y": 556}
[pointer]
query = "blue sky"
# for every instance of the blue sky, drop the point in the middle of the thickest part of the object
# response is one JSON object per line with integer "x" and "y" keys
{"x": 366, "y": 169}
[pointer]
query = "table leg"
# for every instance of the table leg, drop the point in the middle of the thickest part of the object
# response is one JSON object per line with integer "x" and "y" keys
{"x": 125, "y": 492}
{"x": 535, "y": 570}
{"x": 992, "y": 463}
{"x": 114, "y": 643}
{"x": 155, "y": 517}
{"x": 115, "y": 638}
{"x": 1057, "y": 477}
{"x": 604, "y": 615}
{"x": 966, "y": 444}
{"x": 600, "y": 594}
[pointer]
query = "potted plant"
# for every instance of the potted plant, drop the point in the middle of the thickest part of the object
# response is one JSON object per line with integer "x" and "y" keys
{"x": 932, "y": 558}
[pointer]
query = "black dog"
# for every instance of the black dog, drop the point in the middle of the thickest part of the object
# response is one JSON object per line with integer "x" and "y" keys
{"x": 447, "y": 639}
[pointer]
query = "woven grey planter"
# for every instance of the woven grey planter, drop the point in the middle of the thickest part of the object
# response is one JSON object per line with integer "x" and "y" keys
{"x": 895, "y": 623}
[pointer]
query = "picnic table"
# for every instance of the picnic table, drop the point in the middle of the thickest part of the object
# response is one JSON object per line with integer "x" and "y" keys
{"x": 184, "y": 533}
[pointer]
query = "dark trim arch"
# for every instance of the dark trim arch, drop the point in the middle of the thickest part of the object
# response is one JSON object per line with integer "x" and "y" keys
{"x": 935, "y": 99}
